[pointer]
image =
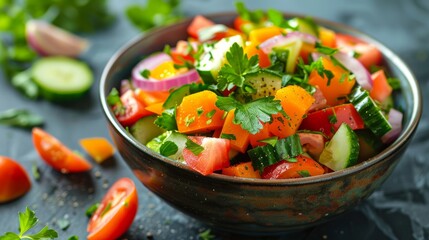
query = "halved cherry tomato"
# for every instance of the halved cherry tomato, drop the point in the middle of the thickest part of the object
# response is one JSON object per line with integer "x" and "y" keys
{"x": 328, "y": 120}
{"x": 14, "y": 180}
{"x": 56, "y": 154}
{"x": 198, "y": 23}
{"x": 214, "y": 156}
{"x": 303, "y": 167}
{"x": 367, "y": 53}
{"x": 116, "y": 212}
{"x": 134, "y": 109}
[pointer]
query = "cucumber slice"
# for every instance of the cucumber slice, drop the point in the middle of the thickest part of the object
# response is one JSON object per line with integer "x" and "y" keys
{"x": 210, "y": 63}
{"x": 371, "y": 114}
{"x": 144, "y": 129}
{"x": 61, "y": 78}
{"x": 293, "y": 48}
{"x": 177, "y": 138}
{"x": 265, "y": 83}
{"x": 342, "y": 151}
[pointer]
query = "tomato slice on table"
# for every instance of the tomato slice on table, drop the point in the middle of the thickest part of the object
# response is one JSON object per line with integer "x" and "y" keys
{"x": 215, "y": 155}
{"x": 367, "y": 53}
{"x": 116, "y": 212}
{"x": 328, "y": 120}
{"x": 302, "y": 167}
{"x": 14, "y": 180}
{"x": 56, "y": 154}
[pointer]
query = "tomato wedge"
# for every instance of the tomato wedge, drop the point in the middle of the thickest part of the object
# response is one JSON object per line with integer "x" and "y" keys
{"x": 13, "y": 178}
{"x": 367, "y": 54}
{"x": 215, "y": 155}
{"x": 134, "y": 109}
{"x": 303, "y": 167}
{"x": 56, "y": 154}
{"x": 116, "y": 212}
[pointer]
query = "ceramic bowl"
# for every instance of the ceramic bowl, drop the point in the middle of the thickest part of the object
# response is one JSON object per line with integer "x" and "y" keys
{"x": 254, "y": 206}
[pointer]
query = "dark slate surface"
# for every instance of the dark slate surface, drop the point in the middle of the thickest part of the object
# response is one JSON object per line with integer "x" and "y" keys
{"x": 398, "y": 210}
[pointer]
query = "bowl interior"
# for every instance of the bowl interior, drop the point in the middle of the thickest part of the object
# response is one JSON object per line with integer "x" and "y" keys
{"x": 120, "y": 65}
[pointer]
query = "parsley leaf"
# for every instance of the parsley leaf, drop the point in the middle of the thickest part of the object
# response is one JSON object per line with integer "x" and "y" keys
{"x": 195, "y": 148}
{"x": 167, "y": 120}
{"x": 168, "y": 148}
{"x": 239, "y": 65}
{"x": 228, "y": 136}
{"x": 91, "y": 209}
{"x": 27, "y": 220}
{"x": 325, "y": 50}
{"x": 277, "y": 18}
{"x": 250, "y": 115}
{"x": 256, "y": 16}
{"x": 20, "y": 118}
{"x": 304, "y": 173}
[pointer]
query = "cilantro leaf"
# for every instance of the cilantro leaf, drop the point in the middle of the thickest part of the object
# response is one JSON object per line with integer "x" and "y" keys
{"x": 46, "y": 232}
{"x": 167, "y": 120}
{"x": 206, "y": 235}
{"x": 239, "y": 65}
{"x": 250, "y": 115}
{"x": 27, "y": 220}
{"x": 168, "y": 148}
{"x": 195, "y": 148}
{"x": 10, "y": 236}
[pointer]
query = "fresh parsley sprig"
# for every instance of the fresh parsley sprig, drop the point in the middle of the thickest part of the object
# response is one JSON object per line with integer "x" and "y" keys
{"x": 238, "y": 67}
{"x": 256, "y": 16}
{"x": 251, "y": 115}
{"x": 28, "y": 220}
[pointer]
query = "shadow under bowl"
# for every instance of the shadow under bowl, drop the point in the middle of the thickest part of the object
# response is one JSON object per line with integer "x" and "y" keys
{"x": 255, "y": 206}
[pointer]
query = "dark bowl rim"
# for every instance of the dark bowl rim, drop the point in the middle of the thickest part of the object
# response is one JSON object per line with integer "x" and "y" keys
{"x": 405, "y": 136}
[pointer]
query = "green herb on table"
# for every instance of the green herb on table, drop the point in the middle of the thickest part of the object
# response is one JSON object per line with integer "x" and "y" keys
{"x": 27, "y": 221}
{"x": 154, "y": 14}
{"x": 206, "y": 235}
{"x": 20, "y": 118}
{"x": 91, "y": 209}
{"x": 63, "y": 224}
{"x": 35, "y": 171}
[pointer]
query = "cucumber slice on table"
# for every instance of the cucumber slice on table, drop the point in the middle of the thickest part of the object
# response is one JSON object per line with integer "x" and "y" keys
{"x": 342, "y": 151}
{"x": 61, "y": 78}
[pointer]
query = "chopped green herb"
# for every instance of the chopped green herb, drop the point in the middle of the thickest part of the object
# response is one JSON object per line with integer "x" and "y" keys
{"x": 73, "y": 238}
{"x": 271, "y": 140}
{"x": 28, "y": 220}
{"x": 106, "y": 209}
{"x": 250, "y": 115}
{"x": 206, "y": 235}
{"x": 239, "y": 65}
{"x": 325, "y": 50}
{"x": 304, "y": 173}
{"x": 332, "y": 118}
{"x": 395, "y": 83}
{"x": 114, "y": 100}
{"x": 91, "y": 209}
{"x": 292, "y": 160}
{"x": 211, "y": 113}
{"x": 167, "y": 120}
{"x": 23, "y": 82}
{"x": 228, "y": 136}
{"x": 209, "y": 121}
{"x": 167, "y": 49}
{"x": 20, "y": 118}
{"x": 35, "y": 171}
{"x": 195, "y": 148}
{"x": 63, "y": 224}
{"x": 145, "y": 73}
{"x": 189, "y": 120}
{"x": 168, "y": 148}
{"x": 200, "y": 111}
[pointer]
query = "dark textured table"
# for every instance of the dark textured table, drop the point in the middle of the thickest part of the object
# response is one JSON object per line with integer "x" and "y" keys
{"x": 398, "y": 210}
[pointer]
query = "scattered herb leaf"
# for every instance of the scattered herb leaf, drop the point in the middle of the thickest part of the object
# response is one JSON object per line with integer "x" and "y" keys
{"x": 167, "y": 120}
{"x": 206, "y": 235}
{"x": 195, "y": 148}
{"x": 35, "y": 171}
{"x": 145, "y": 73}
{"x": 304, "y": 173}
{"x": 168, "y": 148}
{"x": 91, "y": 209}
{"x": 228, "y": 136}
{"x": 63, "y": 224}
{"x": 20, "y": 118}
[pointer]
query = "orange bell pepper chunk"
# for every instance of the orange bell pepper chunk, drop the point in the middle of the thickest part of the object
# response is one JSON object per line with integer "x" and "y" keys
{"x": 241, "y": 136}
{"x": 98, "y": 148}
{"x": 244, "y": 170}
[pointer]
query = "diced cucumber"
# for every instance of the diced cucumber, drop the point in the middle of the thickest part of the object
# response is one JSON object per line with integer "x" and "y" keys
{"x": 263, "y": 156}
{"x": 176, "y": 97}
{"x": 61, "y": 78}
{"x": 177, "y": 138}
{"x": 293, "y": 48}
{"x": 144, "y": 130}
{"x": 265, "y": 83}
{"x": 342, "y": 151}
{"x": 371, "y": 114}
{"x": 305, "y": 25}
{"x": 369, "y": 144}
{"x": 212, "y": 60}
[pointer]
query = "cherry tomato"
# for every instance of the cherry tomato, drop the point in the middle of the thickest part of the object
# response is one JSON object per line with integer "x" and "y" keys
{"x": 214, "y": 156}
{"x": 14, "y": 180}
{"x": 328, "y": 120}
{"x": 134, "y": 109}
{"x": 56, "y": 154}
{"x": 367, "y": 54}
{"x": 303, "y": 167}
{"x": 116, "y": 212}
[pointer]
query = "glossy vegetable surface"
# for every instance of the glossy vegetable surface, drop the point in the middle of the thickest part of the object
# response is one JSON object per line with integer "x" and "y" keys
{"x": 13, "y": 178}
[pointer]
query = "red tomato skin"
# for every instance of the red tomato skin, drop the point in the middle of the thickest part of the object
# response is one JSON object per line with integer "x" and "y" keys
{"x": 322, "y": 120}
{"x": 369, "y": 55}
{"x": 381, "y": 89}
{"x": 119, "y": 217}
{"x": 215, "y": 155}
{"x": 284, "y": 169}
{"x": 198, "y": 23}
{"x": 14, "y": 180}
{"x": 134, "y": 109}
{"x": 56, "y": 154}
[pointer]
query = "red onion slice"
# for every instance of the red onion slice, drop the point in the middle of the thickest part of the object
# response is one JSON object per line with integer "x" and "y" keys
{"x": 363, "y": 77}
{"x": 395, "y": 119}
{"x": 281, "y": 40}
{"x": 49, "y": 40}
{"x": 152, "y": 84}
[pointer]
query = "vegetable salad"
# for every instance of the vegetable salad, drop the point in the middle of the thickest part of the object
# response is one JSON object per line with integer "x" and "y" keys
{"x": 268, "y": 97}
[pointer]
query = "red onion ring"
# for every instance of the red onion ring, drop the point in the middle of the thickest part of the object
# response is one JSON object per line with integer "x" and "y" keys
{"x": 152, "y": 84}
{"x": 281, "y": 40}
{"x": 395, "y": 119}
{"x": 363, "y": 77}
